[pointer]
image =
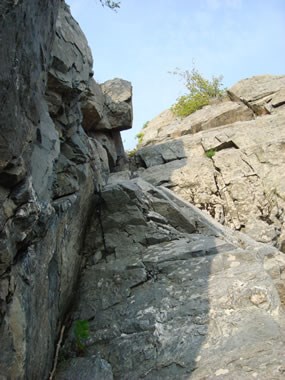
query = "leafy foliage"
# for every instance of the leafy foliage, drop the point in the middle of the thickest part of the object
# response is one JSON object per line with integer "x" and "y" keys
{"x": 201, "y": 91}
{"x": 131, "y": 153}
{"x": 110, "y": 4}
{"x": 81, "y": 332}
{"x": 140, "y": 136}
{"x": 210, "y": 153}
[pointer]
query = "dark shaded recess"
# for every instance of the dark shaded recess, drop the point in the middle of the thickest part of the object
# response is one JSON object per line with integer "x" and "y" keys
{"x": 226, "y": 145}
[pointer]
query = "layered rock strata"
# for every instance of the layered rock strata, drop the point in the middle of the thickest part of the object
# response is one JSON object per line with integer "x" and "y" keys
{"x": 227, "y": 158}
{"x": 60, "y": 139}
{"x": 144, "y": 284}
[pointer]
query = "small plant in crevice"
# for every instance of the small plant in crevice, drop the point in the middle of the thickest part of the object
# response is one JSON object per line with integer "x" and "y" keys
{"x": 140, "y": 136}
{"x": 210, "y": 153}
{"x": 81, "y": 333}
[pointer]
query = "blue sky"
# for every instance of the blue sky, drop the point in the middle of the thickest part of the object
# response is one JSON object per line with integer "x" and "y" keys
{"x": 146, "y": 39}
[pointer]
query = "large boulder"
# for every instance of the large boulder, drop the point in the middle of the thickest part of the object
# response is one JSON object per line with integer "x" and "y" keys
{"x": 118, "y": 113}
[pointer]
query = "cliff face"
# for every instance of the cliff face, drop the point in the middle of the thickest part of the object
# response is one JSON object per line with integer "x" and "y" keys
{"x": 168, "y": 291}
{"x": 60, "y": 138}
{"x": 242, "y": 184}
{"x": 163, "y": 289}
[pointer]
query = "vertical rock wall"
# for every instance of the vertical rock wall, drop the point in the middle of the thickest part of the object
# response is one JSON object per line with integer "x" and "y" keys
{"x": 58, "y": 143}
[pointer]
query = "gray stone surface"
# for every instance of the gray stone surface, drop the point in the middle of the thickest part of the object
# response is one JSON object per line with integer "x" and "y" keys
{"x": 118, "y": 114}
{"x": 85, "y": 369}
{"x": 167, "y": 291}
{"x": 166, "y": 303}
{"x": 92, "y": 106}
{"x": 26, "y": 33}
{"x": 49, "y": 171}
{"x": 161, "y": 154}
{"x": 71, "y": 56}
{"x": 23, "y": 78}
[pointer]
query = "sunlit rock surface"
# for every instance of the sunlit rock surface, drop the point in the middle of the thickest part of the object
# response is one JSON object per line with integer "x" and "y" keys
{"x": 241, "y": 183}
{"x": 166, "y": 290}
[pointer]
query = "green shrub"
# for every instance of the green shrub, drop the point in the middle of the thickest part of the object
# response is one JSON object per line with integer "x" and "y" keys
{"x": 140, "y": 136}
{"x": 201, "y": 91}
{"x": 81, "y": 332}
{"x": 131, "y": 153}
{"x": 188, "y": 104}
{"x": 210, "y": 153}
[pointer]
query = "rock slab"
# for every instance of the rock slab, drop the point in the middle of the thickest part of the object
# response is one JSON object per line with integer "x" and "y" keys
{"x": 167, "y": 299}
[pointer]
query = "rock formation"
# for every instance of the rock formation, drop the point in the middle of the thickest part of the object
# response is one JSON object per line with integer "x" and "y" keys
{"x": 242, "y": 184}
{"x": 60, "y": 138}
{"x": 113, "y": 266}
{"x": 175, "y": 296}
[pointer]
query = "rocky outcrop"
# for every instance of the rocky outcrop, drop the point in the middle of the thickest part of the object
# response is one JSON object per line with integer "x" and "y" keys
{"x": 54, "y": 157}
{"x": 231, "y": 167}
{"x": 172, "y": 294}
{"x": 168, "y": 127}
{"x": 129, "y": 278}
{"x": 263, "y": 94}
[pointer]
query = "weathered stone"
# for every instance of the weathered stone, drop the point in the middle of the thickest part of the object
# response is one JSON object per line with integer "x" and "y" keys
{"x": 66, "y": 182}
{"x": 167, "y": 291}
{"x": 49, "y": 171}
{"x": 241, "y": 185}
{"x": 72, "y": 61}
{"x": 92, "y": 106}
{"x": 85, "y": 369}
{"x": 111, "y": 141}
{"x": 161, "y": 154}
{"x": 23, "y": 72}
{"x": 54, "y": 101}
{"x": 182, "y": 305}
{"x": 118, "y": 105}
{"x": 168, "y": 127}
{"x": 118, "y": 90}
{"x": 278, "y": 99}
{"x": 262, "y": 93}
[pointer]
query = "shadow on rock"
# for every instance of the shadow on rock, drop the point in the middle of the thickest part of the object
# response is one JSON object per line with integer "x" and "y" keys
{"x": 169, "y": 293}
